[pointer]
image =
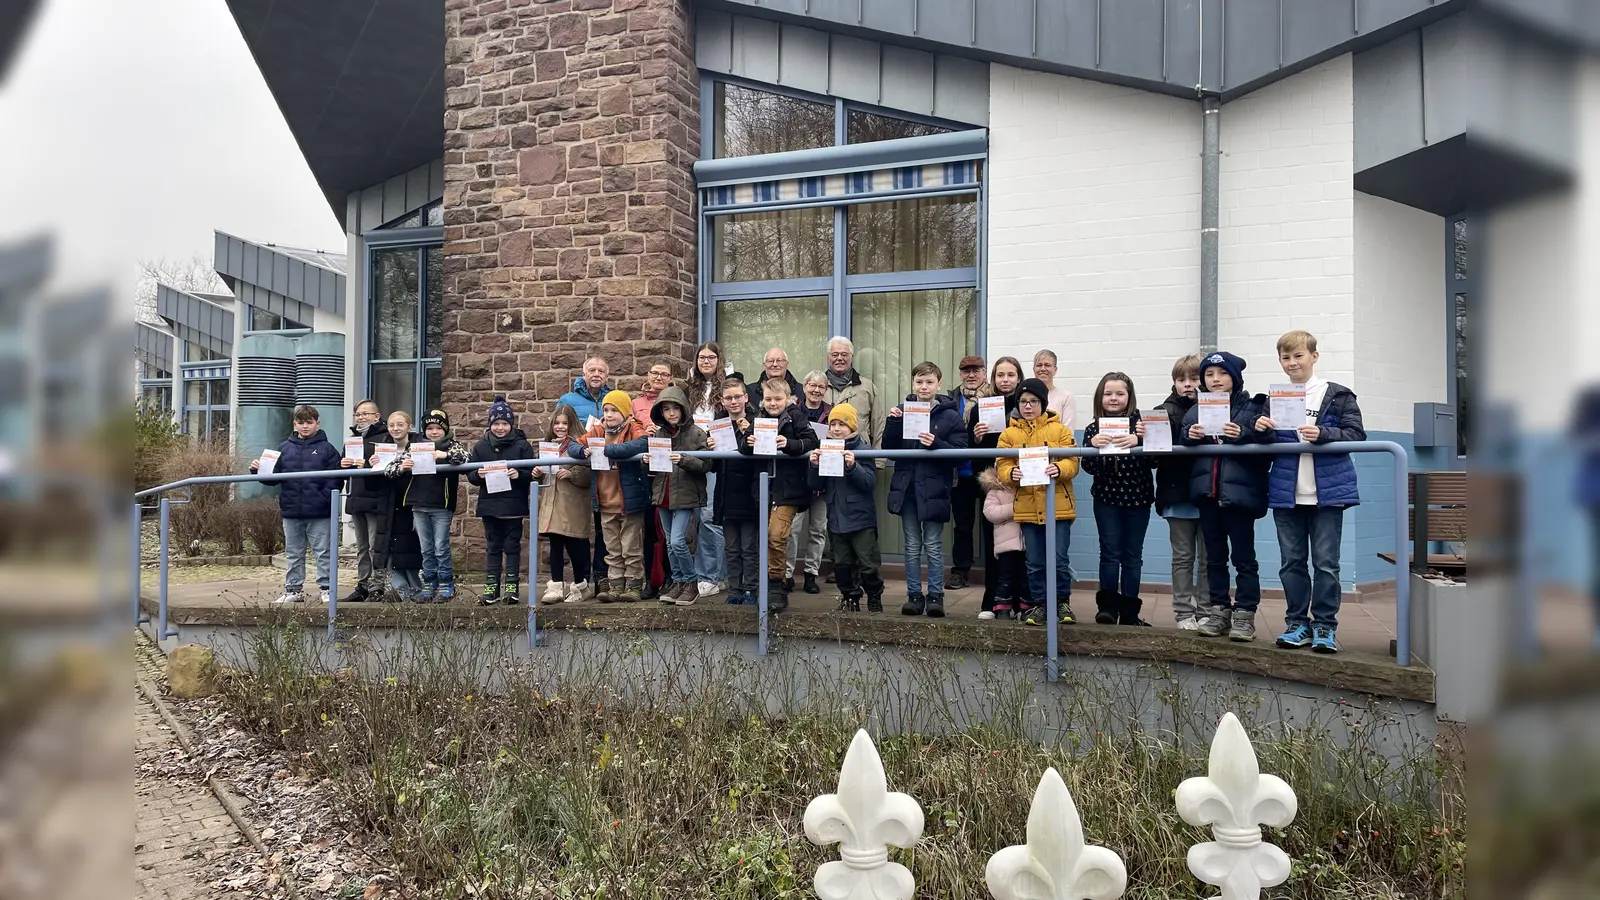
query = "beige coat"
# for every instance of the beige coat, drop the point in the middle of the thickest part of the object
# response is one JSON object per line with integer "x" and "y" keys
{"x": 566, "y": 505}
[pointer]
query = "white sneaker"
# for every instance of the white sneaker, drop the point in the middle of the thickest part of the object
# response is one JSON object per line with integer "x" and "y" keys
{"x": 316, "y": 595}
{"x": 553, "y": 592}
{"x": 291, "y": 597}
{"x": 986, "y": 615}
{"x": 577, "y": 593}
{"x": 1188, "y": 623}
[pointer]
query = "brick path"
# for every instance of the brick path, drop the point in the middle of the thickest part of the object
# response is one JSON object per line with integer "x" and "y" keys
{"x": 179, "y": 826}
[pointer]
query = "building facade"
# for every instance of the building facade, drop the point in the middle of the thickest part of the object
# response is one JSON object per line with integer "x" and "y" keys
{"x": 1122, "y": 183}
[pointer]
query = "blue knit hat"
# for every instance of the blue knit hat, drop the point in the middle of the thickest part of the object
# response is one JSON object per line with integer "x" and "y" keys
{"x": 1229, "y": 363}
{"x": 500, "y": 411}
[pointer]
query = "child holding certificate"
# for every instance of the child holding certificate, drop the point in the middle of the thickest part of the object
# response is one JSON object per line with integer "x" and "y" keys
{"x": 1123, "y": 491}
{"x": 679, "y": 491}
{"x": 1037, "y": 426}
{"x": 566, "y": 509}
{"x": 1174, "y": 503}
{"x": 852, "y": 513}
{"x": 919, "y": 492}
{"x": 621, "y": 494}
{"x": 502, "y": 511}
{"x": 791, "y": 436}
{"x": 431, "y": 496}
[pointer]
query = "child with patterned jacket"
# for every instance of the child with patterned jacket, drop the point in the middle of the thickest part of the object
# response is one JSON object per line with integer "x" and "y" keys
{"x": 432, "y": 500}
{"x": 1123, "y": 491}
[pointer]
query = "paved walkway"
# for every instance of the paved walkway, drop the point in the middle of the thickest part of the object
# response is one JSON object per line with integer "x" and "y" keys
{"x": 179, "y": 826}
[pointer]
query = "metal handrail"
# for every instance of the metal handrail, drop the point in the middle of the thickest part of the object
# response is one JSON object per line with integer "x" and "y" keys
{"x": 1396, "y": 451}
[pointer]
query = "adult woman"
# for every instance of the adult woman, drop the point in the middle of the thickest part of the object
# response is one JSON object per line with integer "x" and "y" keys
{"x": 1004, "y": 378}
{"x": 1062, "y": 403}
{"x": 704, "y": 390}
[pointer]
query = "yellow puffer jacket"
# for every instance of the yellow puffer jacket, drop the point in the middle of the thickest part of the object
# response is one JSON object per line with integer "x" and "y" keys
{"x": 1045, "y": 431}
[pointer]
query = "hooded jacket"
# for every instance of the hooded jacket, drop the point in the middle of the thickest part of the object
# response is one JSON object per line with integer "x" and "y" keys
{"x": 566, "y": 506}
{"x": 1045, "y": 431}
{"x": 1338, "y": 419}
{"x": 931, "y": 479}
{"x": 512, "y": 504}
{"x": 582, "y": 402}
{"x": 1238, "y": 482}
{"x": 1120, "y": 479}
{"x": 735, "y": 499}
{"x": 685, "y": 486}
{"x": 852, "y": 501}
{"x": 369, "y": 495}
{"x": 788, "y": 486}
{"x": 631, "y": 441}
{"x": 306, "y": 498}
{"x": 1173, "y": 473}
{"x": 998, "y": 502}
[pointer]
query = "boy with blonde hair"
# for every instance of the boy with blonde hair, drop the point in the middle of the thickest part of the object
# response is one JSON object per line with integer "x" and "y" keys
{"x": 1308, "y": 494}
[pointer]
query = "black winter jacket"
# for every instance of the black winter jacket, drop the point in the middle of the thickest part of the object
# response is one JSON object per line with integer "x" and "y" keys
{"x": 788, "y": 486}
{"x": 1233, "y": 481}
{"x": 852, "y": 500}
{"x": 933, "y": 478}
{"x": 735, "y": 499}
{"x": 370, "y": 494}
{"x": 991, "y": 440}
{"x": 512, "y": 504}
{"x": 1120, "y": 479}
{"x": 1173, "y": 473}
{"x": 796, "y": 390}
{"x": 306, "y": 498}
{"x": 438, "y": 492}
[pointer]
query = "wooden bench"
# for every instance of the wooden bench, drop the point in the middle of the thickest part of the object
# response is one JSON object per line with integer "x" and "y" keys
{"x": 1441, "y": 516}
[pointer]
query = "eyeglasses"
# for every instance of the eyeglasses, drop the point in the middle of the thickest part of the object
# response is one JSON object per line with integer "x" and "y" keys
{"x": 1028, "y": 401}
{"x": 657, "y": 373}
{"x": 707, "y": 357}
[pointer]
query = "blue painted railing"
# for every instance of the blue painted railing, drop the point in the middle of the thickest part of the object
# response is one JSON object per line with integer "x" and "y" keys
{"x": 1052, "y": 635}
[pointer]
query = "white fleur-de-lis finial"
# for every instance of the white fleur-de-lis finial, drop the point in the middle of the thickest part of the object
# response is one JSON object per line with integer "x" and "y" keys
{"x": 1055, "y": 864}
{"x": 865, "y": 819}
{"x": 1235, "y": 799}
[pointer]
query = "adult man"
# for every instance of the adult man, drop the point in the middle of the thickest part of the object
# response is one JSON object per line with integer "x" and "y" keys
{"x": 846, "y": 385}
{"x": 966, "y": 500}
{"x": 1062, "y": 403}
{"x": 587, "y": 389}
{"x": 776, "y": 365}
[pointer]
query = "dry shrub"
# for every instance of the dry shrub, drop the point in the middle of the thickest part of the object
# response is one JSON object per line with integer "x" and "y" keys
{"x": 225, "y": 525}
{"x": 187, "y": 528}
{"x": 261, "y": 525}
{"x": 205, "y": 458}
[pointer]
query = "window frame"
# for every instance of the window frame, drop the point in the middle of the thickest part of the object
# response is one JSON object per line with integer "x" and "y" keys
{"x": 420, "y": 240}
{"x": 1454, "y": 287}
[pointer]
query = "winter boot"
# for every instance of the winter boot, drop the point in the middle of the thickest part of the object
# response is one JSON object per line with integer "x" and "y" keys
{"x": 811, "y": 585}
{"x": 849, "y": 603}
{"x": 491, "y": 592}
{"x": 1107, "y": 605}
{"x": 580, "y": 592}
{"x": 553, "y": 591}
{"x": 935, "y": 607}
{"x": 1128, "y": 611}
{"x": 602, "y": 590}
{"x": 777, "y": 595}
{"x": 914, "y": 606}
{"x": 508, "y": 594}
{"x": 632, "y": 590}
{"x": 875, "y": 601}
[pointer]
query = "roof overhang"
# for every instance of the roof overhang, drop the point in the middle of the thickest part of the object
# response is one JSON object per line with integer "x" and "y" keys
{"x": 196, "y": 319}
{"x": 360, "y": 83}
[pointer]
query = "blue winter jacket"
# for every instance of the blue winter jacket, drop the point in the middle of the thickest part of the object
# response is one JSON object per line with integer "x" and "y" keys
{"x": 582, "y": 402}
{"x": 632, "y": 473}
{"x": 931, "y": 478}
{"x": 306, "y": 498}
{"x": 852, "y": 505}
{"x": 1339, "y": 419}
{"x": 1239, "y": 482}
{"x": 1585, "y": 431}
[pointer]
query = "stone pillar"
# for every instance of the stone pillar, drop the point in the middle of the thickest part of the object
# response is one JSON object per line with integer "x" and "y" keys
{"x": 570, "y": 130}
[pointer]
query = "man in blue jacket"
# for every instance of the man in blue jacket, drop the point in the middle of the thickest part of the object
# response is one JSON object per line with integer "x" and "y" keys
{"x": 584, "y": 398}
{"x": 305, "y": 503}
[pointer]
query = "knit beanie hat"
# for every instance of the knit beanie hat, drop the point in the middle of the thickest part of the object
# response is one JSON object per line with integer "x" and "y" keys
{"x": 1229, "y": 363}
{"x": 436, "y": 417}
{"x": 500, "y": 411}
{"x": 1035, "y": 387}
{"x": 620, "y": 400}
{"x": 844, "y": 412}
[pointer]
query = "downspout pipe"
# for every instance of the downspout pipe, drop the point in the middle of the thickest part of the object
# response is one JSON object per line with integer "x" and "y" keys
{"x": 1210, "y": 190}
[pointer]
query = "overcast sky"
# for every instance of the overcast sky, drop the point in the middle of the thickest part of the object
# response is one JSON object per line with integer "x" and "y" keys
{"x": 132, "y": 130}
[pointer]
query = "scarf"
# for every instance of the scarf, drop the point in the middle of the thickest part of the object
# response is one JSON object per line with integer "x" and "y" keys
{"x": 840, "y": 382}
{"x": 983, "y": 390}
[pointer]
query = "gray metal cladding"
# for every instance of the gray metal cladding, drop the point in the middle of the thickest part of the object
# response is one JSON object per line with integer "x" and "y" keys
{"x": 286, "y": 280}
{"x": 195, "y": 320}
{"x": 394, "y": 198}
{"x": 153, "y": 346}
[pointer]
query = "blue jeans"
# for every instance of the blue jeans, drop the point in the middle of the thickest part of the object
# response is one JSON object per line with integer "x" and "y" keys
{"x": 1033, "y": 547}
{"x": 1310, "y": 534}
{"x": 709, "y": 563}
{"x": 296, "y": 534}
{"x": 433, "y": 533}
{"x": 1122, "y": 530}
{"x": 406, "y": 582}
{"x": 924, "y": 547}
{"x": 675, "y": 525}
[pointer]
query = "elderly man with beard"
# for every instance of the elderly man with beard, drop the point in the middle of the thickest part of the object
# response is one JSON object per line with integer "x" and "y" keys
{"x": 846, "y": 385}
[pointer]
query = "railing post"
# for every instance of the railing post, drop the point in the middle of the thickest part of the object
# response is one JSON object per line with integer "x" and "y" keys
{"x": 139, "y": 618}
{"x": 1402, "y": 572}
{"x": 761, "y": 576}
{"x": 533, "y": 560}
{"x": 334, "y": 529}
{"x": 1052, "y": 645}
{"x": 162, "y": 630}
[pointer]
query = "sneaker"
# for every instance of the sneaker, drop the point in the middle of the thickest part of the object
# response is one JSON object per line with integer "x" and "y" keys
{"x": 1002, "y": 610}
{"x": 647, "y": 591}
{"x": 986, "y": 615}
{"x": 317, "y": 595}
{"x": 602, "y": 591}
{"x": 778, "y": 595}
{"x": 291, "y": 595}
{"x": 359, "y": 595}
{"x": 915, "y": 606}
{"x": 957, "y": 581}
{"x": 707, "y": 588}
{"x": 491, "y": 592}
{"x": 579, "y": 592}
{"x": 1064, "y": 613}
{"x": 734, "y": 598}
{"x": 1296, "y": 637}
{"x": 1214, "y": 623}
{"x": 1033, "y": 615}
{"x": 1323, "y": 641}
{"x": 553, "y": 592}
{"x": 445, "y": 592}
{"x": 670, "y": 595}
{"x": 1188, "y": 623}
{"x": 935, "y": 607}
{"x": 508, "y": 594}
{"x": 811, "y": 586}
{"x": 1244, "y": 626}
{"x": 423, "y": 595}
{"x": 687, "y": 594}
{"x": 632, "y": 591}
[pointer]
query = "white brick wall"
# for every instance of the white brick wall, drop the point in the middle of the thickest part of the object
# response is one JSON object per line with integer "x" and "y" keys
{"x": 1094, "y": 242}
{"x": 1287, "y": 246}
{"x": 1400, "y": 335}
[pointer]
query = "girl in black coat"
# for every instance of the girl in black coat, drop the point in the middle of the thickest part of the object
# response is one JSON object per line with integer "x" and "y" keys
{"x": 396, "y": 546}
{"x": 1123, "y": 492}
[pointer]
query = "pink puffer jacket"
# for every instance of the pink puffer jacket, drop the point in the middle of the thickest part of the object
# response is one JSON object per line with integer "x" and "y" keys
{"x": 997, "y": 503}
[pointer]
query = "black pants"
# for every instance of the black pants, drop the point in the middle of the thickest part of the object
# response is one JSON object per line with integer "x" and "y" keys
{"x": 856, "y": 561}
{"x": 1009, "y": 581}
{"x": 574, "y": 549}
{"x": 966, "y": 505}
{"x": 504, "y": 537}
{"x": 1228, "y": 528}
{"x": 599, "y": 557}
{"x": 741, "y": 547}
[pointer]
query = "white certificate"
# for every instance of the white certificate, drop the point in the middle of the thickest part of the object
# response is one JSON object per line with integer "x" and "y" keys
{"x": 830, "y": 464}
{"x": 598, "y": 460}
{"x": 549, "y": 450}
{"x": 354, "y": 447}
{"x": 1114, "y": 426}
{"x": 702, "y": 420}
{"x": 422, "y": 461}
{"x": 1033, "y": 461}
{"x": 496, "y": 477}
{"x": 1157, "y": 431}
{"x": 660, "y": 454}
{"x": 917, "y": 418}
{"x": 1288, "y": 409}
{"x": 385, "y": 453}
{"x": 722, "y": 436}
{"x": 992, "y": 412}
{"x": 269, "y": 462}
{"x": 1215, "y": 412}
{"x": 591, "y": 423}
{"x": 821, "y": 428}
{"x": 766, "y": 437}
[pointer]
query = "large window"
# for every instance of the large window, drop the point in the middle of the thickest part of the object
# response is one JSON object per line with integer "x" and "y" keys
{"x": 267, "y": 320}
{"x": 205, "y": 409}
{"x": 1460, "y": 290}
{"x": 899, "y": 274}
{"x": 407, "y": 327}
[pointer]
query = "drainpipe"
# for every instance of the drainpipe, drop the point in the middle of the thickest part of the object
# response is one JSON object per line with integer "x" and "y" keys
{"x": 1210, "y": 188}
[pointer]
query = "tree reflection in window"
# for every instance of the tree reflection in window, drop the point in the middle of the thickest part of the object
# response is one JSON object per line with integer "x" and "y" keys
{"x": 863, "y": 127}
{"x": 750, "y": 122}
{"x": 791, "y": 243}
{"x": 912, "y": 235}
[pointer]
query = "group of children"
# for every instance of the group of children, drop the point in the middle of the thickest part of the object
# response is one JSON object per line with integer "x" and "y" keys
{"x": 402, "y": 520}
